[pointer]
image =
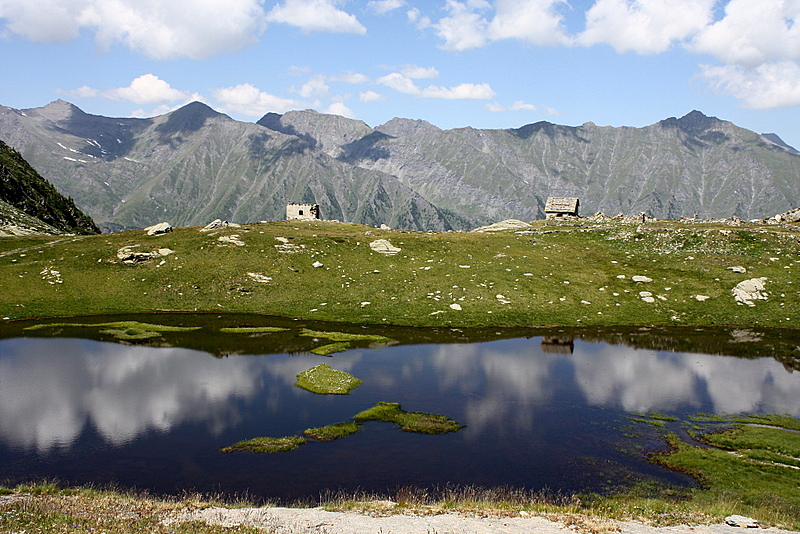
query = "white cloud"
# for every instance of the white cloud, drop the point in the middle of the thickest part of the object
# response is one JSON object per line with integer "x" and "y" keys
{"x": 645, "y": 26}
{"x": 351, "y": 77}
{"x": 535, "y": 21}
{"x": 415, "y": 17}
{"x": 384, "y": 6}
{"x": 463, "y": 28}
{"x": 315, "y": 16}
{"x": 314, "y": 87}
{"x": 465, "y": 91}
{"x": 400, "y": 83}
{"x": 161, "y": 29}
{"x": 519, "y": 105}
{"x": 370, "y": 96}
{"x": 752, "y": 33}
{"x": 414, "y": 71}
{"x": 467, "y": 25}
{"x": 248, "y": 100}
{"x": 147, "y": 89}
{"x": 83, "y": 92}
{"x": 469, "y": 91}
{"x": 770, "y": 85}
{"x": 338, "y": 108}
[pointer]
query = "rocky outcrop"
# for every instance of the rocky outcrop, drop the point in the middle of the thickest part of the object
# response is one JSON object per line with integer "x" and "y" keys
{"x": 131, "y": 255}
{"x": 750, "y": 290}
{"x": 158, "y": 229}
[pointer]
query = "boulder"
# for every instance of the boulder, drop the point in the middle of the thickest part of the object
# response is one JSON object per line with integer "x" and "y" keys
{"x": 508, "y": 224}
{"x": 383, "y": 246}
{"x": 741, "y": 521}
{"x": 747, "y": 291}
{"x": 131, "y": 256}
{"x": 738, "y": 269}
{"x": 219, "y": 224}
{"x": 158, "y": 229}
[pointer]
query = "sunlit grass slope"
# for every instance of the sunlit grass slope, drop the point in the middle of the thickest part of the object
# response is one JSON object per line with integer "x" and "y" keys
{"x": 578, "y": 273}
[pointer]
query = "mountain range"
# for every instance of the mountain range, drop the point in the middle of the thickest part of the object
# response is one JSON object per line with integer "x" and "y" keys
{"x": 194, "y": 165}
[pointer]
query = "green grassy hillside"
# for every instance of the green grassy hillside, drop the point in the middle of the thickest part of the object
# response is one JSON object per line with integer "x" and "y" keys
{"x": 578, "y": 273}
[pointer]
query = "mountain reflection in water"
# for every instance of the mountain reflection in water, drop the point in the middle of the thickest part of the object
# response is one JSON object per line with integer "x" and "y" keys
{"x": 521, "y": 402}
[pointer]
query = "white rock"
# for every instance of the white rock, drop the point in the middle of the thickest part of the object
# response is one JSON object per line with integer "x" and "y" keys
{"x": 641, "y": 279}
{"x": 741, "y": 521}
{"x": 383, "y": 246}
{"x": 747, "y": 291}
{"x": 645, "y": 294}
{"x": 158, "y": 229}
{"x": 232, "y": 239}
{"x": 648, "y": 299}
{"x": 316, "y": 264}
{"x": 455, "y": 306}
{"x": 738, "y": 269}
{"x": 702, "y": 298}
{"x": 258, "y": 277}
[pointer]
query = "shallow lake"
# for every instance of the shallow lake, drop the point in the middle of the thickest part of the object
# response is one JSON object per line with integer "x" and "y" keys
{"x": 553, "y": 410}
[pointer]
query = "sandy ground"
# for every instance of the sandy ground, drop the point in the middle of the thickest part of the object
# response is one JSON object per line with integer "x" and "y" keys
{"x": 297, "y": 521}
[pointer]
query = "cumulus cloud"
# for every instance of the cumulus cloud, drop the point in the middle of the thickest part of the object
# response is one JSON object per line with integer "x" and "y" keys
{"x": 518, "y": 105}
{"x": 147, "y": 89}
{"x": 370, "y": 96}
{"x": 316, "y": 86}
{"x": 645, "y": 26}
{"x": 315, "y": 16}
{"x": 384, "y": 6}
{"x": 415, "y": 71}
{"x": 753, "y": 33}
{"x": 771, "y": 85}
{"x": 338, "y": 108}
{"x": 249, "y": 100}
{"x": 468, "y": 24}
{"x": 405, "y": 84}
{"x": 161, "y": 29}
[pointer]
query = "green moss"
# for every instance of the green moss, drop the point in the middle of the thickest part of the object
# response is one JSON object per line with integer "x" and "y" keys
{"x": 325, "y": 380}
{"x": 422, "y": 423}
{"x": 331, "y": 348}
{"x": 332, "y": 432}
{"x": 123, "y": 325}
{"x": 267, "y": 445}
{"x": 253, "y": 330}
{"x": 344, "y": 336}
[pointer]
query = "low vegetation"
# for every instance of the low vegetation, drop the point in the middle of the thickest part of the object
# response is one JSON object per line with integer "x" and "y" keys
{"x": 578, "y": 273}
{"x": 267, "y": 445}
{"x": 325, "y": 380}
{"x": 421, "y": 423}
{"x": 332, "y": 432}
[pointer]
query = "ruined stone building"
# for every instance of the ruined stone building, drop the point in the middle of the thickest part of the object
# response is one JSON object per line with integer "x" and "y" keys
{"x": 304, "y": 212}
{"x": 558, "y": 207}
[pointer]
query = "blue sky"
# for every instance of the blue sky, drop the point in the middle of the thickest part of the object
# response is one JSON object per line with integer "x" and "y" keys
{"x": 454, "y": 63}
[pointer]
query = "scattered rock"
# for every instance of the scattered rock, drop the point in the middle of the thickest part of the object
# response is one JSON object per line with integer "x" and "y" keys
{"x": 738, "y": 269}
{"x": 508, "y": 224}
{"x": 747, "y": 291}
{"x": 232, "y": 239}
{"x": 219, "y": 224}
{"x": 316, "y": 264}
{"x": 383, "y": 246}
{"x": 641, "y": 279}
{"x": 384, "y": 227}
{"x": 158, "y": 229}
{"x": 701, "y": 298}
{"x": 456, "y": 307}
{"x": 741, "y": 521}
{"x": 130, "y": 255}
{"x": 258, "y": 277}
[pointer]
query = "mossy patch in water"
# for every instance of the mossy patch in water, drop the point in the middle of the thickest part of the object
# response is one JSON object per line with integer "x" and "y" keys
{"x": 419, "y": 422}
{"x": 331, "y": 348}
{"x": 123, "y": 330}
{"x": 325, "y": 380}
{"x": 253, "y": 330}
{"x": 332, "y": 432}
{"x": 267, "y": 445}
{"x": 344, "y": 336}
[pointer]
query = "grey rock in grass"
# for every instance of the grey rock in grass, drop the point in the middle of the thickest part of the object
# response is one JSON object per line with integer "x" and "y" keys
{"x": 508, "y": 224}
{"x": 747, "y": 291}
{"x": 383, "y": 246}
{"x": 741, "y": 521}
{"x": 738, "y": 269}
{"x": 219, "y": 224}
{"x": 158, "y": 229}
{"x": 130, "y": 255}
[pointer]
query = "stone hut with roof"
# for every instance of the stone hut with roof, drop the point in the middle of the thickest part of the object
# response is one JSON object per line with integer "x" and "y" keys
{"x": 561, "y": 207}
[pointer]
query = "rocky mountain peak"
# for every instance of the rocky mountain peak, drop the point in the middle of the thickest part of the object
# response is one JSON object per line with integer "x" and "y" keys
{"x": 398, "y": 127}
{"x": 189, "y": 118}
{"x": 694, "y": 122}
{"x": 58, "y": 111}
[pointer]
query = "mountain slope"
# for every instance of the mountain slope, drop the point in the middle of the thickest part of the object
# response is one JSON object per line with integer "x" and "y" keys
{"x": 21, "y": 187}
{"x": 195, "y": 165}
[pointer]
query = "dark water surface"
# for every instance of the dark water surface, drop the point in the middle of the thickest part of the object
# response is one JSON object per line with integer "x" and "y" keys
{"x": 539, "y": 413}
